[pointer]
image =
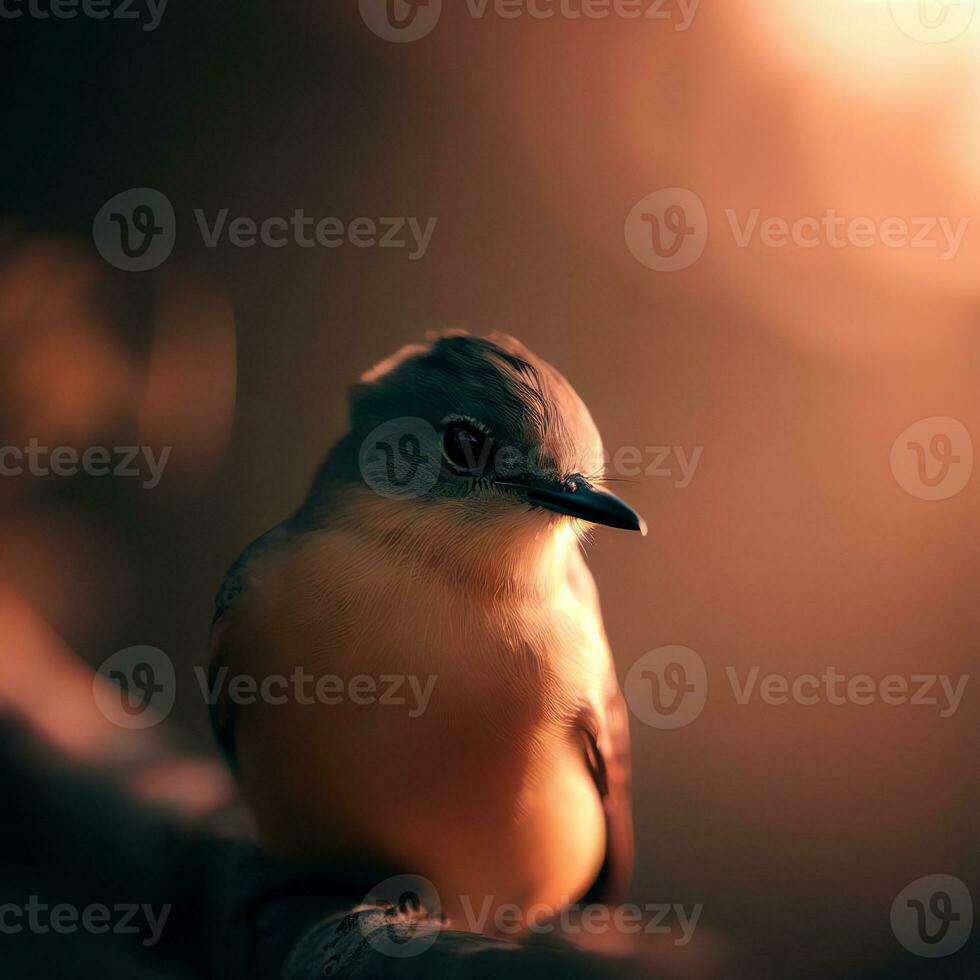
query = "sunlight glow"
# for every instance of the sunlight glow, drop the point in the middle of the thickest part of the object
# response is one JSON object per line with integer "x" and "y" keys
{"x": 889, "y": 50}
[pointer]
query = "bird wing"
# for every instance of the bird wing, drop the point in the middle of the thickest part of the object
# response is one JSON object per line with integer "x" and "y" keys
{"x": 603, "y": 722}
{"x": 607, "y": 754}
{"x": 220, "y": 710}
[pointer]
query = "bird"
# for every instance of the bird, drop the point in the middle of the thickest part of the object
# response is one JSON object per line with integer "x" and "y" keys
{"x": 512, "y": 788}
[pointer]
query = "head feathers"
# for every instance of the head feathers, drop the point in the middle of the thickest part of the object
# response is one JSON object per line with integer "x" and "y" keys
{"x": 525, "y": 403}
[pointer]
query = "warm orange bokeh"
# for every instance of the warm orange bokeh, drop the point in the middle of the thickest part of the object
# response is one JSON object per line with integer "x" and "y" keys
{"x": 793, "y": 369}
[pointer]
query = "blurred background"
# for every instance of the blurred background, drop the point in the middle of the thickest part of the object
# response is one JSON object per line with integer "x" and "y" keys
{"x": 801, "y": 542}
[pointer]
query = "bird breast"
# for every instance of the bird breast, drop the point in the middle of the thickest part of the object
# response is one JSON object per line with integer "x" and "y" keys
{"x": 485, "y": 790}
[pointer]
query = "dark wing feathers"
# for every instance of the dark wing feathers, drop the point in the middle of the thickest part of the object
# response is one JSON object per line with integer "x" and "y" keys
{"x": 220, "y": 710}
{"x": 607, "y": 754}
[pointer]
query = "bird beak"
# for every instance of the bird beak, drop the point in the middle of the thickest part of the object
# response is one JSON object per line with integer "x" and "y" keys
{"x": 577, "y": 499}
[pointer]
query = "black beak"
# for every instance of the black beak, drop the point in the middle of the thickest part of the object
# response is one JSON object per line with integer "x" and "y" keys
{"x": 577, "y": 499}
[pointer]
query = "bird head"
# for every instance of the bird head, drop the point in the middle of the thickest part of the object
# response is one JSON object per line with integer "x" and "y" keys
{"x": 486, "y": 425}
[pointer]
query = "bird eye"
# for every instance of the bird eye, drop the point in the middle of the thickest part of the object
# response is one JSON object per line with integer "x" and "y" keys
{"x": 466, "y": 448}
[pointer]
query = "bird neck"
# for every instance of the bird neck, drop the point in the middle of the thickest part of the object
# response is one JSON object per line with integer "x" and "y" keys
{"x": 494, "y": 545}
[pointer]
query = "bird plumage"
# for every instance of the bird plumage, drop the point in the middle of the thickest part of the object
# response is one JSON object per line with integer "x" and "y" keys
{"x": 514, "y": 782}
